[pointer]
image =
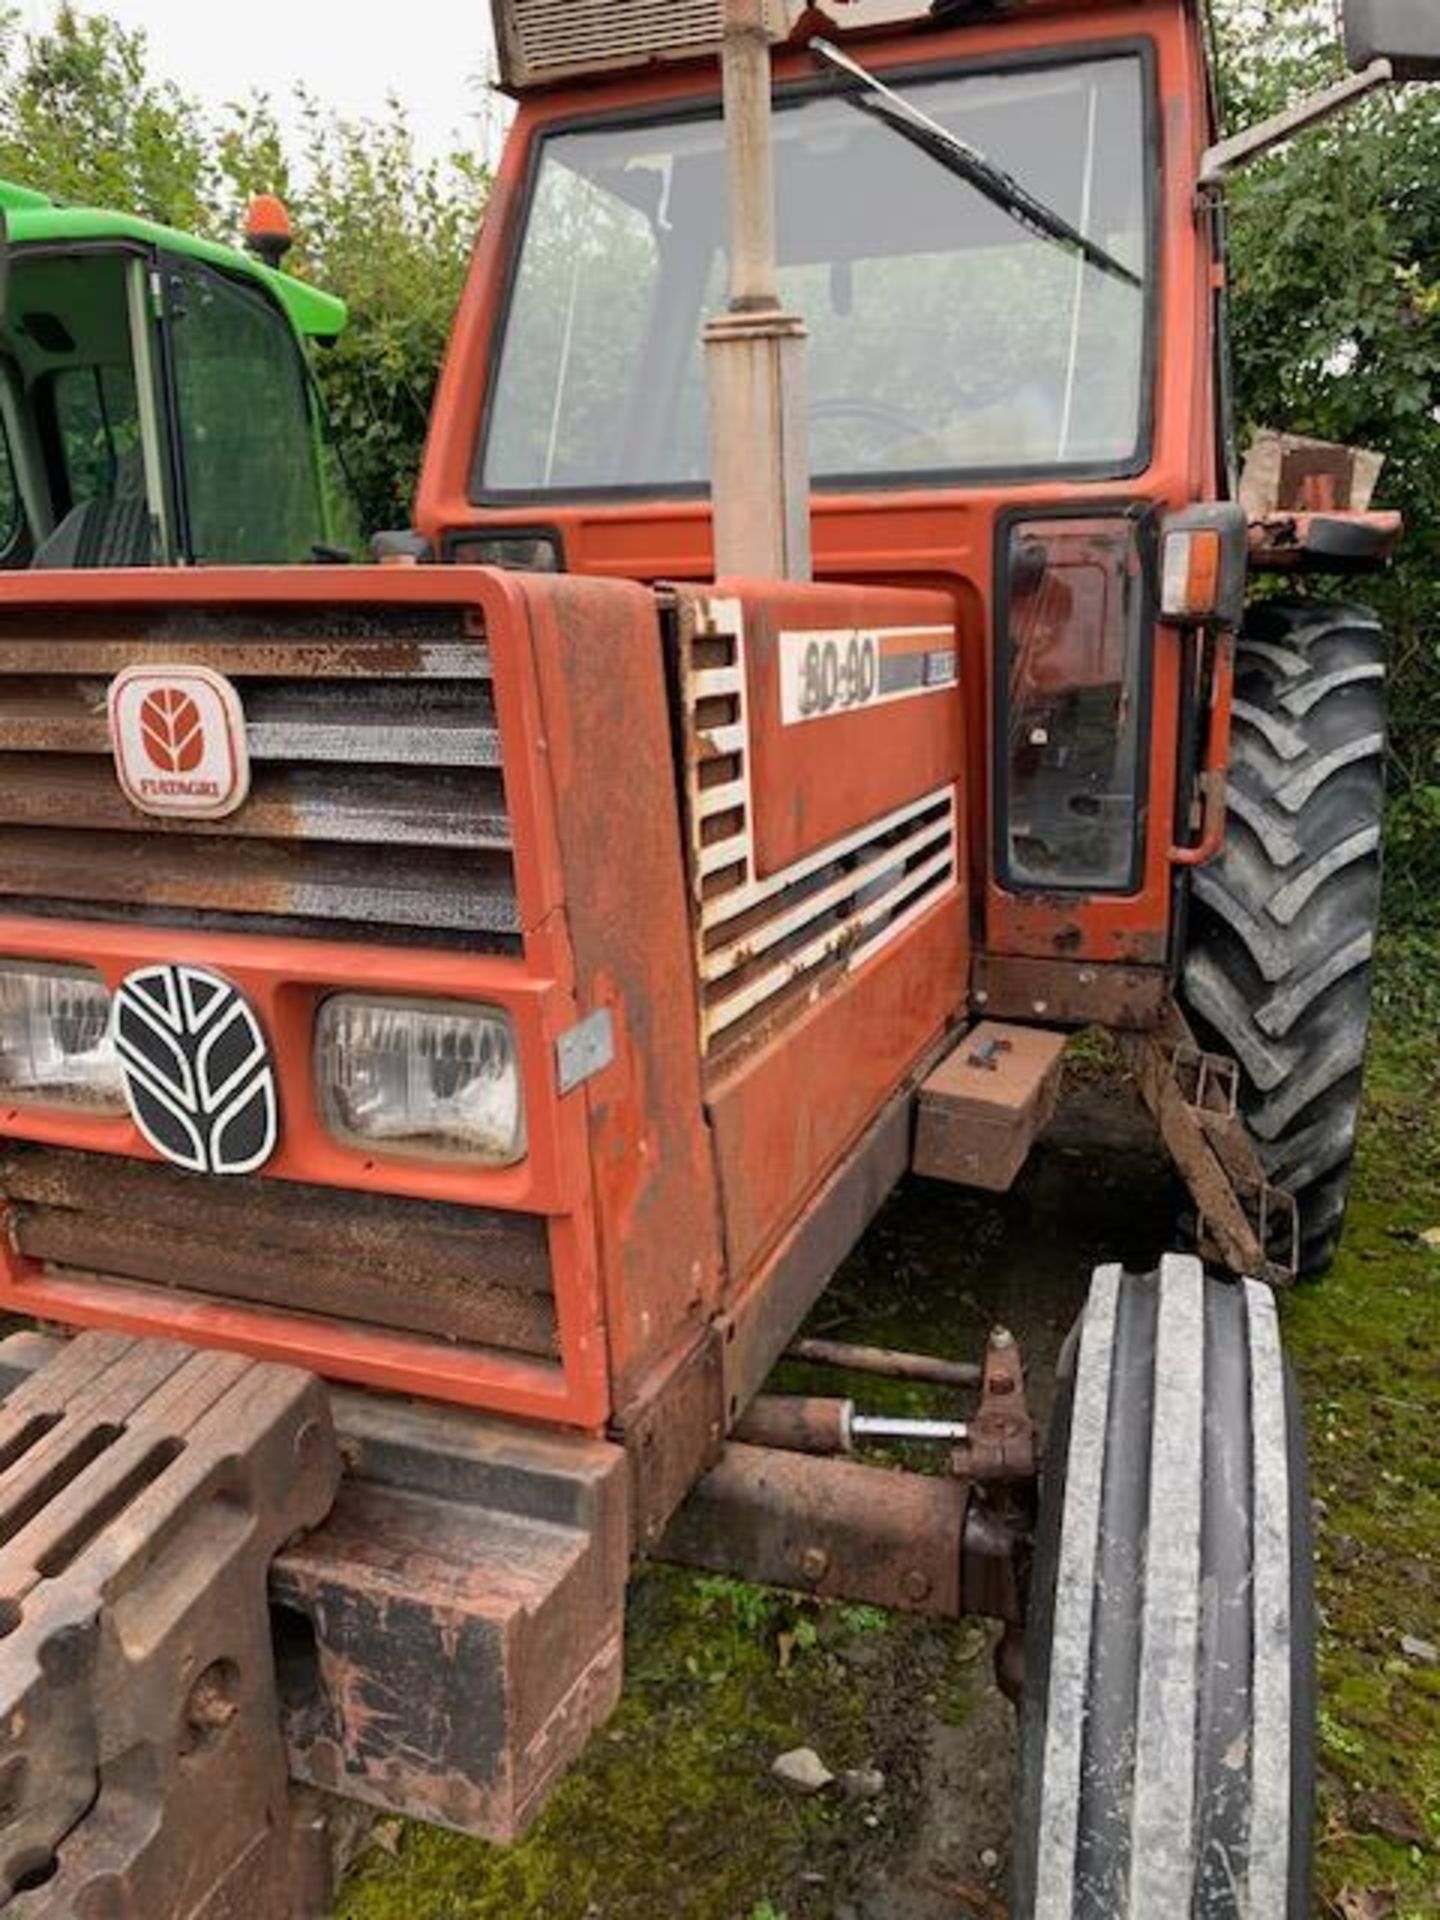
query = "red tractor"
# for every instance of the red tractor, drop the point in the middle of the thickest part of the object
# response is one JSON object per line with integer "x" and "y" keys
{"x": 456, "y": 1015}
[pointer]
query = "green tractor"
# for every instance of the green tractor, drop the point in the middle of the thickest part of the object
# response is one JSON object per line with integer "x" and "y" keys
{"x": 157, "y": 401}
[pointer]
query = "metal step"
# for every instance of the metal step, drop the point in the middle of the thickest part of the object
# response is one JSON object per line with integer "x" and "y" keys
{"x": 984, "y": 1106}
{"x": 1245, "y": 1223}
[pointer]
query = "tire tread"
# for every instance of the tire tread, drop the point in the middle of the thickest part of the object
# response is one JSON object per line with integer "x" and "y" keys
{"x": 1282, "y": 936}
{"x": 1166, "y": 1745}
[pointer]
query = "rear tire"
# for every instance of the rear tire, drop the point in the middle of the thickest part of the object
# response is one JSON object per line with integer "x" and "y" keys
{"x": 1167, "y": 1746}
{"x": 1282, "y": 936}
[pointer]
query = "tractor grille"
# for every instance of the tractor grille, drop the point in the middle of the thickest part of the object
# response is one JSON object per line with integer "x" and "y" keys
{"x": 457, "y": 1273}
{"x": 762, "y": 941}
{"x": 377, "y": 805}
{"x": 543, "y": 42}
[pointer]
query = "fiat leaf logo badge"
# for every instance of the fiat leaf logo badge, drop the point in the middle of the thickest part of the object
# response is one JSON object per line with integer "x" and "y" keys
{"x": 197, "y": 1070}
{"x": 178, "y": 736}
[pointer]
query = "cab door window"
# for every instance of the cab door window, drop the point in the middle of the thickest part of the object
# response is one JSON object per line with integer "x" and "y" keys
{"x": 89, "y": 438}
{"x": 14, "y": 527}
{"x": 244, "y": 427}
{"x": 97, "y": 424}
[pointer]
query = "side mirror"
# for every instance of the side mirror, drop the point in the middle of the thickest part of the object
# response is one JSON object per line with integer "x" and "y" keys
{"x": 1404, "y": 32}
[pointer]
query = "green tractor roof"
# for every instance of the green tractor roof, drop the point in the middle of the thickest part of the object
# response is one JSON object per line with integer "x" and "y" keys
{"x": 31, "y": 216}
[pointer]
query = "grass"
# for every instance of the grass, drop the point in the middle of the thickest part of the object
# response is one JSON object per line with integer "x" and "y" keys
{"x": 1366, "y": 1347}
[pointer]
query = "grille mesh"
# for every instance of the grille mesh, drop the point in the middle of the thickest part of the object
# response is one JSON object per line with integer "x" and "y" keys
{"x": 377, "y": 805}
{"x": 545, "y": 41}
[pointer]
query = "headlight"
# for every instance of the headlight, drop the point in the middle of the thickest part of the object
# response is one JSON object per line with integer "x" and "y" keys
{"x": 427, "y": 1077}
{"x": 55, "y": 1044}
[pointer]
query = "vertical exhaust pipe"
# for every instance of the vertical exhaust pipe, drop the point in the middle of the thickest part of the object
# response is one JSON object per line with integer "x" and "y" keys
{"x": 755, "y": 352}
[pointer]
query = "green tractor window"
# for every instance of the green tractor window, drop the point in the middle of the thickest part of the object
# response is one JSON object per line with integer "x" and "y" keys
{"x": 97, "y": 424}
{"x": 12, "y": 509}
{"x": 253, "y": 495}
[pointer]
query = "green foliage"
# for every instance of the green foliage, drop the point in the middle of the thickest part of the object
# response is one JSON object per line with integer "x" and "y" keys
{"x": 859, "y": 1620}
{"x": 1336, "y": 281}
{"x": 392, "y": 233}
{"x": 83, "y": 119}
{"x": 1363, "y": 1346}
{"x": 751, "y": 1610}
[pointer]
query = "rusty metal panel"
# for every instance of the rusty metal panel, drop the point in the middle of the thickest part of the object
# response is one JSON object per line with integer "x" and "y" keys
{"x": 451, "y": 1272}
{"x": 766, "y": 1315}
{"x": 672, "y": 1431}
{"x": 383, "y": 805}
{"x": 377, "y": 802}
{"x": 455, "y": 1626}
{"x": 409, "y": 887}
{"x": 1070, "y": 992}
{"x": 835, "y": 1528}
{"x": 145, "y": 1489}
{"x": 814, "y": 840}
{"x": 318, "y": 650}
{"x": 784, "y": 1113}
{"x": 449, "y": 725}
{"x": 606, "y": 724}
{"x": 983, "y": 1107}
{"x": 433, "y": 1238}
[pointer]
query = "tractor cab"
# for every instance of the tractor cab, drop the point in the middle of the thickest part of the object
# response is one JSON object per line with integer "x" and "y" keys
{"x": 157, "y": 405}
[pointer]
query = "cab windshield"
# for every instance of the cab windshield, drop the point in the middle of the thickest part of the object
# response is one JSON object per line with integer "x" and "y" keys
{"x": 946, "y": 339}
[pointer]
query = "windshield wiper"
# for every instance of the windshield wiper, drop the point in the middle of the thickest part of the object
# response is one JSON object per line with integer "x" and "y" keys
{"x": 969, "y": 163}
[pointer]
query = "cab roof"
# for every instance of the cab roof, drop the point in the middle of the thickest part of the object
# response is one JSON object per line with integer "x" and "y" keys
{"x": 31, "y": 217}
{"x": 545, "y": 43}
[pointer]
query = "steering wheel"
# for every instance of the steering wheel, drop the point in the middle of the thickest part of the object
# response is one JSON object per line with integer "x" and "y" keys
{"x": 875, "y": 413}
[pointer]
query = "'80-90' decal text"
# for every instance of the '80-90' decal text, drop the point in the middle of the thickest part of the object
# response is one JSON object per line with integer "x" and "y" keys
{"x": 845, "y": 670}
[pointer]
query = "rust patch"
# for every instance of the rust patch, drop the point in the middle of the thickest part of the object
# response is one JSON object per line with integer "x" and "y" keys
{"x": 982, "y": 1109}
{"x": 456, "y": 1624}
{"x": 835, "y": 1528}
{"x": 1071, "y": 993}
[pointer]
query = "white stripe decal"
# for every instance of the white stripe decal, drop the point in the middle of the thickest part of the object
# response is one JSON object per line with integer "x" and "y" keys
{"x": 1075, "y": 1605}
{"x": 1163, "y": 1816}
{"x": 1271, "y": 1704}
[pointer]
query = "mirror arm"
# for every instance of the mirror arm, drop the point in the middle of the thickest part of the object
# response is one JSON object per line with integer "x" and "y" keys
{"x": 1221, "y": 160}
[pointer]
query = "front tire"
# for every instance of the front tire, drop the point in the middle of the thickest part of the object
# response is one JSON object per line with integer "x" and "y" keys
{"x": 1283, "y": 928}
{"x": 1167, "y": 1767}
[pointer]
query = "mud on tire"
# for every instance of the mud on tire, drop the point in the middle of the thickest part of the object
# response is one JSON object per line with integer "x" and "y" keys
{"x": 1282, "y": 933}
{"x": 1167, "y": 1767}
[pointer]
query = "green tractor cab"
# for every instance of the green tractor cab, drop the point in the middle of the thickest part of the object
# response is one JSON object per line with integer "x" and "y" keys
{"x": 157, "y": 403}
